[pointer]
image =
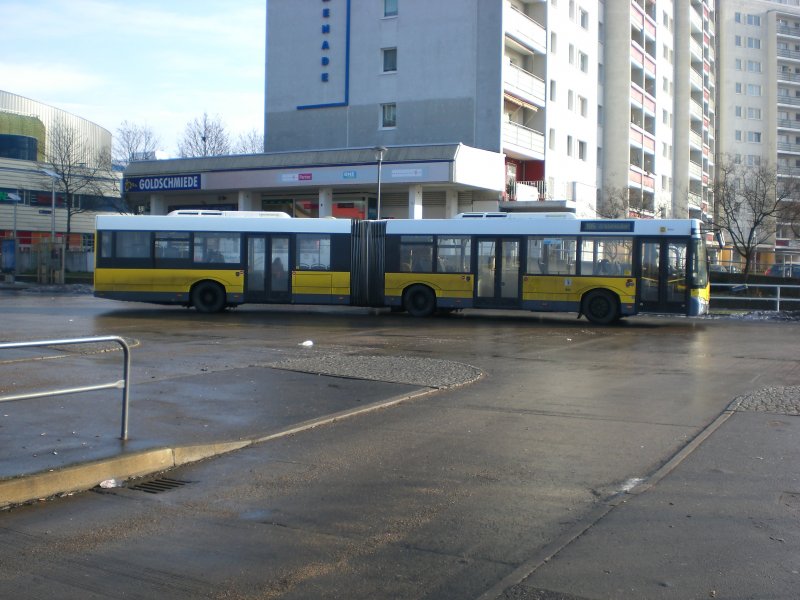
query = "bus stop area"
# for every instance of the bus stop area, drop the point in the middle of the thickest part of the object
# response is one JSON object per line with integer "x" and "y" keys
{"x": 683, "y": 483}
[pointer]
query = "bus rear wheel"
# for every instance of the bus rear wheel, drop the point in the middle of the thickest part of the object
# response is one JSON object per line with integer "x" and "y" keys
{"x": 208, "y": 297}
{"x": 601, "y": 307}
{"x": 420, "y": 301}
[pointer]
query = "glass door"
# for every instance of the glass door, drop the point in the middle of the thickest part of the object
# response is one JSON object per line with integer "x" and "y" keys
{"x": 267, "y": 276}
{"x": 663, "y": 284}
{"x": 498, "y": 272}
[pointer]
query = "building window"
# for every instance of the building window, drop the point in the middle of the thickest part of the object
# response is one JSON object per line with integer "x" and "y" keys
{"x": 753, "y": 42}
{"x": 738, "y": 111}
{"x": 754, "y": 113}
{"x": 388, "y": 115}
{"x": 553, "y": 38}
{"x": 584, "y": 106}
{"x": 584, "y": 62}
{"x": 552, "y": 90}
{"x": 753, "y": 20}
{"x": 738, "y": 87}
{"x": 754, "y": 66}
{"x": 754, "y": 137}
{"x": 552, "y": 141}
{"x": 753, "y": 90}
{"x": 737, "y": 135}
{"x": 582, "y": 150}
{"x": 737, "y": 40}
{"x": 389, "y": 8}
{"x": 738, "y": 64}
{"x": 584, "y": 19}
{"x": 569, "y": 145}
{"x": 570, "y": 99}
{"x": 571, "y": 54}
{"x": 389, "y": 60}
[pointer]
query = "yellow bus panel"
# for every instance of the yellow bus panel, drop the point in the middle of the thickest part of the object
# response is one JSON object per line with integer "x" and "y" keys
{"x": 446, "y": 285}
{"x": 164, "y": 280}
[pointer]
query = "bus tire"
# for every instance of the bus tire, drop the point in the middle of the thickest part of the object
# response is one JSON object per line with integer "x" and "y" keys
{"x": 420, "y": 301}
{"x": 600, "y": 307}
{"x": 208, "y": 297}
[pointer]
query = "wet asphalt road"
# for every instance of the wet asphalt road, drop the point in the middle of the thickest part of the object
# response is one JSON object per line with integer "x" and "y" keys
{"x": 440, "y": 497}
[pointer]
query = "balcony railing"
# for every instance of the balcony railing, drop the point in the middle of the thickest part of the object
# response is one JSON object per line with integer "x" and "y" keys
{"x": 788, "y": 124}
{"x": 791, "y": 100}
{"x": 524, "y": 30}
{"x": 789, "y": 171}
{"x": 785, "y": 52}
{"x": 788, "y": 147}
{"x": 786, "y": 76}
{"x": 696, "y": 110}
{"x": 525, "y": 138}
{"x": 786, "y": 30}
{"x": 695, "y": 171}
{"x": 526, "y": 84}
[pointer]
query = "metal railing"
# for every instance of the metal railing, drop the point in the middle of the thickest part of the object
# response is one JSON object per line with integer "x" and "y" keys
{"x": 123, "y": 384}
{"x": 740, "y": 294}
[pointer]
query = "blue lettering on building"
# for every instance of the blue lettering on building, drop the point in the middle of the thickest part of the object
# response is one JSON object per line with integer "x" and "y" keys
{"x": 326, "y": 30}
{"x": 163, "y": 183}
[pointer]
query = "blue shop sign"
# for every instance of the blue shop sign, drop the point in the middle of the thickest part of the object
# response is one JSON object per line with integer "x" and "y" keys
{"x": 162, "y": 183}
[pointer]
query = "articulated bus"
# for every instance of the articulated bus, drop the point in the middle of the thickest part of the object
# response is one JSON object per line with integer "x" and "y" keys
{"x": 602, "y": 269}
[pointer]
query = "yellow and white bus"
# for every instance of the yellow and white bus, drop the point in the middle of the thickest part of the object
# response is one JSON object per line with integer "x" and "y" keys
{"x": 601, "y": 268}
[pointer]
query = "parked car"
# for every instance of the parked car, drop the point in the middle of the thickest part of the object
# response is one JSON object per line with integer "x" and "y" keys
{"x": 784, "y": 271}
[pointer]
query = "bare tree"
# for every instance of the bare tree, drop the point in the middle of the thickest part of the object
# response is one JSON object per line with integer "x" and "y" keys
{"x": 204, "y": 137}
{"x": 748, "y": 202}
{"x": 251, "y": 142}
{"x": 133, "y": 142}
{"x": 78, "y": 170}
{"x": 616, "y": 203}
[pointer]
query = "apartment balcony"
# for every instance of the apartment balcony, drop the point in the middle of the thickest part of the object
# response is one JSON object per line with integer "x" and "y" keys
{"x": 786, "y": 30}
{"x": 696, "y": 20}
{"x": 695, "y": 139}
{"x": 695, "y": 200}
{"x": 696, "y": 48}
{"x": 788, "y": 171}
{"x": 791, "y": 77}
{"x": 696, "y": 79}
{"x": 789, "y": 147}
{"x": 790, "y": 100}
{"x": 788, "y": 124}
{"x": 786, "y": 53}
{"x": 523, "y": 30}
{"x": 695, "y": 171}
{"x": 696, "y": 110}
{"x": 524, "y": 85}
{"x": 637, "y": 179}
{"x": 526, "y": 142}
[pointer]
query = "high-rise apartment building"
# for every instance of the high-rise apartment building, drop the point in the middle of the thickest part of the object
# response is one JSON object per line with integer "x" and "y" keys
{"x": 514, "y": 77}
{"x": 657, "y": 89}
{"x": 759, "y": 96}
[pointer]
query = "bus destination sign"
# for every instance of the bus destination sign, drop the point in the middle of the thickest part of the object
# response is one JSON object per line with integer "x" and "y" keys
{"x": 607, "y": 226}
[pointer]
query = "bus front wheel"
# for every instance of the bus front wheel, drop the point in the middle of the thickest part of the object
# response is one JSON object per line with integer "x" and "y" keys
{"x": 601, "y": 307}
{"x": 420, "y": 301}
{"x": 208, "y": 297}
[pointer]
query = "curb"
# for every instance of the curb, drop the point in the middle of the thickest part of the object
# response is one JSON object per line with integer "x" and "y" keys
{"x": 82, "y": 477}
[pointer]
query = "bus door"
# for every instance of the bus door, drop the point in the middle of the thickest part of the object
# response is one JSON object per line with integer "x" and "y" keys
{"x": 497, "y": 272}
{"x": 267, "y": 275}
{"x": 663, "y": 275}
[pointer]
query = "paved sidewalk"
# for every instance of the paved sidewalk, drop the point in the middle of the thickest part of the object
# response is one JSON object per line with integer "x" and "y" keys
{"x": 723, "y": 523}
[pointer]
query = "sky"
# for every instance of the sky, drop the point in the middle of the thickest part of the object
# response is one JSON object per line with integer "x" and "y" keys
{"x": 154, "y": 63}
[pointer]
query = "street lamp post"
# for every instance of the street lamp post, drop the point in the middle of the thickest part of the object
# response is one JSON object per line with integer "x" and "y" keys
{"x": 379, "y": 150}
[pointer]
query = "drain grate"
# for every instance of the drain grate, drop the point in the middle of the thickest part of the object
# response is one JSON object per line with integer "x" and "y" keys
{"x": 156, "y": 486}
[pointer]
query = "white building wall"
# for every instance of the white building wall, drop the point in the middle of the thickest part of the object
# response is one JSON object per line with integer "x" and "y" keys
{"x": 571, "y": 108}
{"x": 447, "y": 86}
